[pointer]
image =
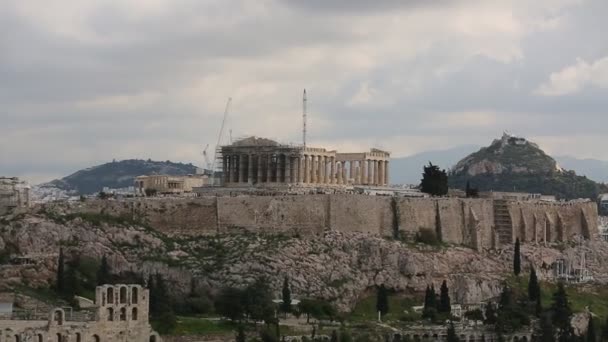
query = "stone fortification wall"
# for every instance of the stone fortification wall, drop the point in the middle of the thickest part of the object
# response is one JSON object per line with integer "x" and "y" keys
{"x": 468, "y": 222}
{"x": 552, "y": 222}
{"x": 291, "y": 214}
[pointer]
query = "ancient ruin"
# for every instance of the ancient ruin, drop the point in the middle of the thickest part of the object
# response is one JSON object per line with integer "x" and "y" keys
{"x": 120, "y": 314}
{"x": 263, "y": 162}
{"x": 14, "y": 194}
{"x": 164, "y": 184}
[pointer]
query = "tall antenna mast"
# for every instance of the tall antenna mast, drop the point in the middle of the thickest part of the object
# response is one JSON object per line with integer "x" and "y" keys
{"x": 304, "y": 117}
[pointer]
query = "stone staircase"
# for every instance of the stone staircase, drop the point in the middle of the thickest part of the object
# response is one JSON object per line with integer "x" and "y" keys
{"x": 502, "y": 222}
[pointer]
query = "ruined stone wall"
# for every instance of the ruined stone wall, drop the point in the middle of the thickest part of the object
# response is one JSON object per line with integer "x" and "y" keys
{"x": 468, "y": 222}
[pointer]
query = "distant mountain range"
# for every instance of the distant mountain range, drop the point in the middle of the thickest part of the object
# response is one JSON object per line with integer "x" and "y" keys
{"x": 408, "y": 170}
{"x": 117, "y": 174}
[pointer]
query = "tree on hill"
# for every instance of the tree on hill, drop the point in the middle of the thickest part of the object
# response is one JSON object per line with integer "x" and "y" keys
{"x": 430, "y": 303}
{"x": 533, "y": 286}
{"x": 240, "y": 335}
{"x": 471, "y": 192}
{"x": 258, "y": 301}
{"x": 490, "y": 314}
{"x": 517, "y": 258}
{"x": 161, "y": 308}
{"x": 434, "y": 181}
{"x": 286, "y": 303}
{"x": 60, "y": 278}
{"x": 547, "y": 331}
{"x": 451, "y": 334}
{"x": 561, "y": 313}
{"x": 229, "y": 304}
{"x": 444, "y": 299}
{"x": 382, "y": 300}
{"x": 103, "y": 274}
{"x": 334, "y": 336}
{"x": 590, "y": 336}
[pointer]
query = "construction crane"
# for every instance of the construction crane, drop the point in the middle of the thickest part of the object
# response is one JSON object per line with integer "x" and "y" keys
{"x": 207, "y": 162}
{"x": 218, "y": 151}
{"x": 304, "y": 113}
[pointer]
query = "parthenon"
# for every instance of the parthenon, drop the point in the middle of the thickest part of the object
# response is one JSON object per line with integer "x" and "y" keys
{"x": 257, "y": 161}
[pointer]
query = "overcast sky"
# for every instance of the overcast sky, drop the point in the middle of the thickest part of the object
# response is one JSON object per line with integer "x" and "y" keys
{"x": 84, "y": 82}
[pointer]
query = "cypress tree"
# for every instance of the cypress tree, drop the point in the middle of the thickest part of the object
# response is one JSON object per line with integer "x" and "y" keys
{"x": 334, "y": 336}
{"x": 490, "y": 314}
{"x": 286, "y": 304}
{"x": 591, "y": 336}
{"x": 240, "y": 336}
{"x": 517, "y": 258}
{"x": 60, "y": 281}
{"x": 433, "y": 298}
{"x": 561, "y": 312}
{"x": 444, "y": 299}
{"x": 103, "y": 274}
{"x": 452, "y": 337}
{"x": 533, "y": 286}
{"x": 382, "y": 300}
{"x": 605, "y": 331}
{"x": 547, "y": 332}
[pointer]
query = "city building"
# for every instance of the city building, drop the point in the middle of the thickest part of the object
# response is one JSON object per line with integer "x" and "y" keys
{"x": 603, "y": 203}
{"x": 14, "y": 194}
{"x": 119, "y": 314}
{"x": 164, "y": 184}
{"x": 257, "y": 161}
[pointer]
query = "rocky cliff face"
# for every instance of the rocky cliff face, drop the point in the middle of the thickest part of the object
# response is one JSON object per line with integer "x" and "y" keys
{"x": 338, "y": 266}
{"x": 514, "y": 163}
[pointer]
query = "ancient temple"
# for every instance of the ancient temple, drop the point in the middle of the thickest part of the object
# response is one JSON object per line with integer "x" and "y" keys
{"x": 257, "y": 161}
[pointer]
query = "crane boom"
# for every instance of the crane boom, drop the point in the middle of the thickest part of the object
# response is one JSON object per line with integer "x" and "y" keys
{"x": 219, "y": 141}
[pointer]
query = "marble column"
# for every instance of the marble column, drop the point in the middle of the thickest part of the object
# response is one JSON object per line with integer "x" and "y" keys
{"x": 344, "y": 177}
{"x": 232, "y": 167}
{"x": 242, "y": 168}
{"x": 250, "y": 169}
{"x": 363, "y": 171}
{"x": 288, "y": 169}
{"x": 352, "y": 171}
{"x": 339, "y": 173}
{"x": 269, "y": 169}
{"x": 380, "y": 172}
{"x": 386, "y": 173}
{"x": 306, "y": 169}
{"x": 259, "y": 177}
{"x": 332, "y": 170}
{"x": 325, "y": 173}
{"x": 300, "y": 178}
{"x": 313, "y": 169}
{"x": 376, "y": 173}
{"x": 370, "y": 172}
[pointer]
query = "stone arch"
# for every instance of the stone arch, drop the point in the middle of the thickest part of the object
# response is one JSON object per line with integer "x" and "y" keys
{"x": 110, "y": 314}
{"x": 17, "y": 338}
{"x": 96, "y": 338}
{"x": 134, "y": 294}
{"x": 110, "y": 295}
{"x": 58, "y": 317}
{"x": 123, "y": 314}
{"x": 134, "y": 314}
{"x": 152, "y": 338}
{"x": 78, "y": 337}
{"x": 59, "y": 337}
{"x": 123, "y": 295}
{"x": 39, "y": 338}
{"x": 548, "y": 229}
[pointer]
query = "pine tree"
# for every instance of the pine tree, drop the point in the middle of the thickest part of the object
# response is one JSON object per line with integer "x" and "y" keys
{"x": 286, "y": 304}
{"x": 60, "y": 281}
{"x": 382, "y": 300}
{"x": 452, "y": 337}
{"x": 434, "y": 181}
{"x": 444, "y": 299}
{"x": 517, "y": 258}
{"x": 533, "y": 286}
{"x": 103, "y": 274}
{"x": 590, "y": 336}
